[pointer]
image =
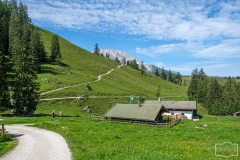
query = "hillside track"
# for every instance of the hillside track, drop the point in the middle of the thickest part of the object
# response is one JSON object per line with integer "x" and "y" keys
{"x": 37, "y": 144}
{"x": 98, "y": 79}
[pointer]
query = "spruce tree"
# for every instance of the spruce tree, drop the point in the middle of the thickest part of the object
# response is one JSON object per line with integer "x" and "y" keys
{"x": 157, "y": 73}
{"x": 214, "y": 94}
{"x": 142, "y": 68}
{"x": 25, "y": 87}
{"x": 96, "y": 50}
{"x": 170, "y": 78}
{"x": 193, "y": 86}
{"x": 163, "y": 74}
{"x": 4, "y": 94}
{"x": 55, "y": 48}
{"x": 37, "y": 48}
{"x": 117, "y": 60}
{"x": 134, "y": 64}
{"x": 4, "y": 56}
{"x": 178, "y": 79}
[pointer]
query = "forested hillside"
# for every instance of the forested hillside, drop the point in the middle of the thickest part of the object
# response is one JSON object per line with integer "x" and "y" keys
{"x": 218, "y": 98}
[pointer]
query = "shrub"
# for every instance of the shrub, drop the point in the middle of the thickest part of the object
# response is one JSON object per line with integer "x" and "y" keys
{"x": 5, "y": 137}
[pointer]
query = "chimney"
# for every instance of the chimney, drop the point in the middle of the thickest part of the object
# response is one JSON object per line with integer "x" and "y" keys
{"x": 139, "y": 103}
{"x": 159, "y": 100}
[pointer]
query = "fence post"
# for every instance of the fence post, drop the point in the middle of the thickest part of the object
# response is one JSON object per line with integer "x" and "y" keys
{"x": 3, "y": 130}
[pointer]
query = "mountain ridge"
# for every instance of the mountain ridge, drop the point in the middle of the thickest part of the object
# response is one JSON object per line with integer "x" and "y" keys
{"x": 114, "y": 53}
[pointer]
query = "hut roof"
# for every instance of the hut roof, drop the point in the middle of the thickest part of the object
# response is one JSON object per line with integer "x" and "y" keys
{"x": 186, "y": 105}
{"x": 134, "y": 112}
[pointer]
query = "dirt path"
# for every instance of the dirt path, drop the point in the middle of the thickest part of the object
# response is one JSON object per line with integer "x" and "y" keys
{"x": 99, "y": 78}
{"x": 37, "y": 144}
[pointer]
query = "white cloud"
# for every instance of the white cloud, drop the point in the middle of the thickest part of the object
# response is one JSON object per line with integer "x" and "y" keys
{"x": 212, "y": 68}
{"x": 185, "y": 20}
{"x": 155, "y": 50}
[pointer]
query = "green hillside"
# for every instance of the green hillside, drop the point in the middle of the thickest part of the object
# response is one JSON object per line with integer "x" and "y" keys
{"x": 81, "y": 67}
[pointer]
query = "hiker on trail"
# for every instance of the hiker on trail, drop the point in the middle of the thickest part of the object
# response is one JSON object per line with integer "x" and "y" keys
{"x": 60, "y": 114}
{"x": 53, "y": 115}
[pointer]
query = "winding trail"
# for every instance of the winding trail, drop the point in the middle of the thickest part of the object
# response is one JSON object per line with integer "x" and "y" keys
{"x": 99, "y": 78}
{"x": 37, "y": 144}
{"x": 40, "y": 144}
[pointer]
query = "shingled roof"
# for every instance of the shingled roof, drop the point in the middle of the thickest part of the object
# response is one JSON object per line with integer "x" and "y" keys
{"x": 186, "y": 105}
{"x": 134, "y": 112}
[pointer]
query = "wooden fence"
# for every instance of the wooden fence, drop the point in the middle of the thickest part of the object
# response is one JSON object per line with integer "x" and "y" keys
{"x": 169, "y": 123}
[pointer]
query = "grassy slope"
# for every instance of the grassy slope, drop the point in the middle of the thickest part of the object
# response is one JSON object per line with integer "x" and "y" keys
{"x": 81, "y": 66}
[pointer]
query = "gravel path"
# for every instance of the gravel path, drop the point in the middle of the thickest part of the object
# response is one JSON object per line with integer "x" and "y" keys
{"x": 99, "y": 78}
{"x": 37, "y": 144}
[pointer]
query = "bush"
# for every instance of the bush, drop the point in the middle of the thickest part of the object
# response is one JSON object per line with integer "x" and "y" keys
{"x": 5, "y": 137}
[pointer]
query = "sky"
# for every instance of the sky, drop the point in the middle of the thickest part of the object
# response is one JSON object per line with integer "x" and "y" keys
{"x": 179, "y": 35}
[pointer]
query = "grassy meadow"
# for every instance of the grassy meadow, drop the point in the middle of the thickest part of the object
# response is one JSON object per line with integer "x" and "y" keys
{"x": 98, "y": 139}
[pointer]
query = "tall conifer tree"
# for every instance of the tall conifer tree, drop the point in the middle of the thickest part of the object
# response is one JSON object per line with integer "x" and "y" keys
{"x": 163, "y": 74}
{"x": 55, "y": 48}
{"x": 25, "y": 96}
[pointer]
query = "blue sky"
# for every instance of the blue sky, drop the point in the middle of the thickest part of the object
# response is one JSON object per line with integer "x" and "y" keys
{"x": 179, "y": 35}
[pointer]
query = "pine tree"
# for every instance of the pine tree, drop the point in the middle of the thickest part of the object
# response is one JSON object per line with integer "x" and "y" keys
{"x": 134, "y": 64}
{"x": 202, "y": 89}
{"x": 4, "y": 60}
{"x": 4, "y": 94}
{"x": 96, "y": 50}
{"x": 25, "y": 96}
{"x": 37, "y": 48}
{"x": 170, "y": 78}
{"x": 193, "y": 86}
{"x": 214, "y": 94}
{"x": 163, "y": 74}
{"x": 55, "y": 48}
{"x": 142, "y": 68}
{"x": 157, "y": 73}
{"x": 117, "y": 60}
{"x": 107, "y": 55}
{"x": 229, "y": 92}
{"x": 178, "y": 79}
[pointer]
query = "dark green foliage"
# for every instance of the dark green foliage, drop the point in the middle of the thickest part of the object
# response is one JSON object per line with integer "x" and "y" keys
{"x": 163, "y": 74}
{"x": 55, "y": 48}
{"x": 178, "y": 79}
{"x": 21, "y": 48}
{"x": 214, "y": 94}
{"x": 37, "y": 48}
{"x": 142, "y": 68}
{"x": 97, "y": 50}
{"x": 218, "y": 99}
{"x": 107, "y": 55}
{"x": 217, "y": 109}
{"x": 141, "y": 99}
{"x": 134, "y": 64}
{"x": 157, "y": 73}
{"x": 4, "y": 93}
{"x": 193, "y": 87}
{"x": 117, "y": 60}
{"x": 5, "y": 138}
{"x": 170, "y": 78}
{"x": 88, "y": 87}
